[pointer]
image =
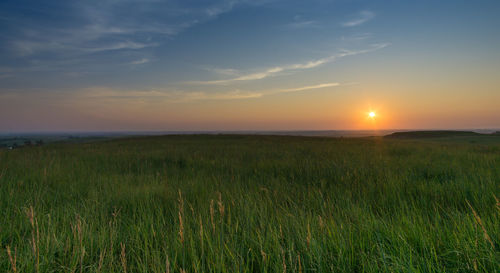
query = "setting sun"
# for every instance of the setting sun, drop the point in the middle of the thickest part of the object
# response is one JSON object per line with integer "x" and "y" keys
{"x": 371, "y": 114}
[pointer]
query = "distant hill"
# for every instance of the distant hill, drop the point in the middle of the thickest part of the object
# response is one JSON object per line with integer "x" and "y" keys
{"x": 434, "y": 134}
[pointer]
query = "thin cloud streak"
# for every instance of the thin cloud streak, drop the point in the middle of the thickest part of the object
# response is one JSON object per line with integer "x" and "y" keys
{"x": 300, "y": 66}
{"x": 160, "y": 96}
{"x": 222, "y": 71}
{"x": 311, "y": 87}
{"x": 121, "y": 45}
{"x": 363, "y": 17}
{"x": 187, "y": 96}
{"x": 141, "y": 61}
{"x": 303, "y": 24}
{"x": 105, "y": 94}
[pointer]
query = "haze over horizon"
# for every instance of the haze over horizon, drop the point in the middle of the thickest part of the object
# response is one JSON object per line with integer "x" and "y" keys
{"x": 130, "y": 65}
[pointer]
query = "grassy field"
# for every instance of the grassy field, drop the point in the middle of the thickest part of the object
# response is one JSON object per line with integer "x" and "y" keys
{"x": 251, "y": 204}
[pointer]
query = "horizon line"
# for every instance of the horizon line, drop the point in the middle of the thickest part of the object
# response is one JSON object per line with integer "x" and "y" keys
{"x": 144, "y": 132}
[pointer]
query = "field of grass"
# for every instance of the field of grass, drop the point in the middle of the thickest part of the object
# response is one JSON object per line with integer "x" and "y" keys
{"x": 251, "y": 204}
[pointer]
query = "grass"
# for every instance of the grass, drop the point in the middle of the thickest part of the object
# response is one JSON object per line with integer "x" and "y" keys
{"x": 251, "y": 204}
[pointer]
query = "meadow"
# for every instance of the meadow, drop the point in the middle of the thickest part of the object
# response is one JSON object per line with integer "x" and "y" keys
{"x": 228, "y": 203}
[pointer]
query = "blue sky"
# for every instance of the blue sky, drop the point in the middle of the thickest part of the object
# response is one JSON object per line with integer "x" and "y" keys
{"x": 175, "y": 64}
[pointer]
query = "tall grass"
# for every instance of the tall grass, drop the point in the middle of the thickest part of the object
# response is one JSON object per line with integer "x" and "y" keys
{"x": 250, "y": 204}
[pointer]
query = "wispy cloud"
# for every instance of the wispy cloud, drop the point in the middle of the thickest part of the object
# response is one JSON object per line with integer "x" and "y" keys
{"x": 176, "y": 96}
{"x": 141, "y": 61}
{"x": 231, "y": 95}
{"x": 226, "y": 6}
{"x": 269, "y": 72}
{"x": 303, "y": 24}
{"x": 110, "y": 103}
{"x": 248, "y": 77}
{"x": 305, "y": 88}
{"x": 222, "y": 71}
{"x": 100, "y": 34}
{"x": 356, "y": 37}
{"x": 300, "y": 22}
{"x": 26, "y": 48}
{"x": 109, "y": 26}
{"x": 363, "y": 17}
{"x": 120, "y": 46}
{"x": 169, "y": 96}
{"x": 108, "y": 94}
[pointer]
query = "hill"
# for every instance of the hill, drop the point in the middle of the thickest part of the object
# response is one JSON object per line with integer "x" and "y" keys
{"x": 433, "y": 134}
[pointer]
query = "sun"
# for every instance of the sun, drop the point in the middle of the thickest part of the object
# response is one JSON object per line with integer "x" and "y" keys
{"x": 372, "y": 114}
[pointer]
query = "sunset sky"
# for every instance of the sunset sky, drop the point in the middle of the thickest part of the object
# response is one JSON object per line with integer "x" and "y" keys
{"x": 125, "y": 65}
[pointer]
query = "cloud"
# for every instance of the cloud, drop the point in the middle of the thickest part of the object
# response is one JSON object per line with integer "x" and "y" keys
{"x": 304, "y": 88}
{"x": 287, "y": 68}
{"x": 120, "y": 46}
{"x": 299, "y": 22}
{"x": 304, "y": 24}
{"x": 226, "y": 6}
{"x": 162, "y": 96}
{"x": 248, "y": 77}
{"x": 107, "y": 26}
{"x": 101, "y": 93}
{"x": 26, "y": 48}
{"x": 231, "y": 95}
{"x": 356, "y": 37}
{"x": 114, "y": 95}
{"x": 141, "y": 61}
{"x": 222, "y": 71}
{"x": 94, "y": 35}
{"x": 363, "y": 17}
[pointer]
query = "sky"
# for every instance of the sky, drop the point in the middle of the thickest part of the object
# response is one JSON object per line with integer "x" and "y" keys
{"x": 151, "y": 65}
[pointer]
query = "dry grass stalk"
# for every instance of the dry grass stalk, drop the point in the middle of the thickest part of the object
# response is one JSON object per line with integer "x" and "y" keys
{"x": 478, "y": 219}
{"x": 264, "y": 255}
{"x": 308, "y": 239}
{"x": 123, "y": 258}
{"x": 474, "y": 260}
{"x": 35, "y": 237}
{"x": 283, "y": 260}
{"x": 80, "y": 240}
{"x": 192, "y": 210}
{"x": 101, "y": 260}
{"x": 167, "y": 265}
{"x": 181, "y": 222}
{"x": 497, "y": 202}
{"x": 12, "y": 259}
{"x": 321, "y": 222}
{"x": 221, "y": 206}
{"x": 181, "y": 228}
{"x": 115, "y": 213}
{"x": 212, "y": 212}
{"x": 300, "y": 263}
{"x": 112, "y": 223}
{"x": 201, "y": 231}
